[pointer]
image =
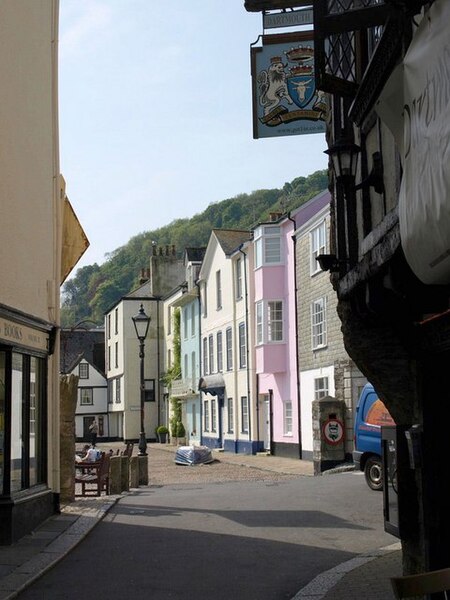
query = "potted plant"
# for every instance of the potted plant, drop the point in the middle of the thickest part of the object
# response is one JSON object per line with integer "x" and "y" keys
{"x": 180, "y": 433}
{"x": 163, "y": 433}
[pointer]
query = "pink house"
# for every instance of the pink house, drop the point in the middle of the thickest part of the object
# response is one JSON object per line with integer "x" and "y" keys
{"x": 275, "y": 335}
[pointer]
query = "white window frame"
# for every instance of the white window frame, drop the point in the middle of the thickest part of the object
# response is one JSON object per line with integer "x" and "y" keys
{"x": 273, "y": 322}
{"x": 287, "y": 418}
{"x": 211, "y": 353}
{"x": 259, "y": 325}
{"x": 242, "y": 346}
{"x": 244, "y": 414}
{"x": 229, "y": 348}
{"x": 218, "y": 290}
{"x": 319, "y": 323}
{"x": 230, "y": 415}
{"x": 213, "y": 415}
{"x": 321, "y": 387}
{"x": 219, "y": 350}
{"x": 192, "y": 320}
{"x": 318, "y": 245}
{"x": 264, "y": 321}
{"x": 239, "y": 279}
{"x": 206, "y": 415}
{"x": 268, "y": 246}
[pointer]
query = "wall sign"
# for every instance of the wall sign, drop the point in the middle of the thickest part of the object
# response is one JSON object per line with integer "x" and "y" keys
{"x": 285, "y": 99}
{"x": 333, "y": 431}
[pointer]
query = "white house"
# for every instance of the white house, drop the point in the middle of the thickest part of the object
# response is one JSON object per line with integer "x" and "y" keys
{"x": 227, "y": 383}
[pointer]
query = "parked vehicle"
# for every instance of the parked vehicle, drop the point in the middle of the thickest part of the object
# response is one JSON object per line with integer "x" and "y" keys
{"x": 371, "y": 414}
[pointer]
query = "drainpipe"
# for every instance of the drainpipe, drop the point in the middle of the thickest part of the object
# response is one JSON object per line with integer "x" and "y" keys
{"x": 270, "y": 420}
{"x": 246, "y": 347}
{"x": 158, "y": 359}
{"x": 297, "y": 374}
{"x": 200, "y": 394}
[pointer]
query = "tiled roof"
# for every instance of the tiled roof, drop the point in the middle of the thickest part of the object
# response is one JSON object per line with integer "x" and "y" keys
{"x": 231, "y": 239}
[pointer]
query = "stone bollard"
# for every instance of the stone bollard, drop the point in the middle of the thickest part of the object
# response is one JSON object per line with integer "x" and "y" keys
{"x": 124, "y": 473}
{"x": 115, "y": 475}
{"x": 143, "y": 470}
{"x": 134, "y": 472}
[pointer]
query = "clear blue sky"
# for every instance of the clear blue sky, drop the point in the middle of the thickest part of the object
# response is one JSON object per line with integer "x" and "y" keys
{"x": 155, "y": 115}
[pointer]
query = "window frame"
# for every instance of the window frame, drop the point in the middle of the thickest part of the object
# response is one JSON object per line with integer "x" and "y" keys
{"x": 265, "y": 236}
{"x": 83, "y": 366}
{"x": 229, "y": 347}
{"x": 219, "y": 351}
{"x": 218, "y": 290}
{"x": 288, "y": 418}
{"x": 245, "y": 418}
{"x": 319, "y": 328}
{"x": 242, "y": 346}
{"x": 316, "y": 245}
{"x": 90, "y": 396}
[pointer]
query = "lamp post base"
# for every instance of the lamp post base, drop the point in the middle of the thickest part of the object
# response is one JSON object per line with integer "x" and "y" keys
{"x": 142, "y": 444}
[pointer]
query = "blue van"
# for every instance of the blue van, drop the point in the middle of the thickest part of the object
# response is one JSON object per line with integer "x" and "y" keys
{"x": 371, "y": 414}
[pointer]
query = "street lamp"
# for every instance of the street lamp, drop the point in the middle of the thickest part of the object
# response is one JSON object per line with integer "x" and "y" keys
{"x": 141, "y": 324}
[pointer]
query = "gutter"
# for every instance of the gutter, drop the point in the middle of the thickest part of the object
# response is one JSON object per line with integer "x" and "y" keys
{"x": 297, "y": 372}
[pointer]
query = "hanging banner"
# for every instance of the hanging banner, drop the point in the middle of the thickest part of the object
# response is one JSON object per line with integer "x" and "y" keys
{"x": 285, "y": 99}
{"x": 424, "y": 207}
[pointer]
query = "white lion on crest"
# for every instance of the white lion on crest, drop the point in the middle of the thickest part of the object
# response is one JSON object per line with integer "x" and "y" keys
{"x": 272, "y": 85}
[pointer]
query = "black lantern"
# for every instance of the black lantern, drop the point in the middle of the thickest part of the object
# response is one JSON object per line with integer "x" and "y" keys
{"x": 344, "y": 156}
{"x": 141, "y": 324}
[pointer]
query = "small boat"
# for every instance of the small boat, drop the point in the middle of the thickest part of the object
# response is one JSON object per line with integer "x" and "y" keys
{"x": 193, "y": 455}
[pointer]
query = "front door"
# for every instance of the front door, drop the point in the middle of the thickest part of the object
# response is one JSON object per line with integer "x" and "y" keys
{"x": 266, "y": 429}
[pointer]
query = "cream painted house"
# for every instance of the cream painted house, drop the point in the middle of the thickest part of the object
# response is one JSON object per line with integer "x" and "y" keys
{"x": 122, "y": 350}
{"x": 227, "y": 383}
{"x": 41, "y": 242}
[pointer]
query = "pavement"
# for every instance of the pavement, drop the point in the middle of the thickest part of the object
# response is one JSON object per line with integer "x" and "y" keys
{"x": 365, "y": 576}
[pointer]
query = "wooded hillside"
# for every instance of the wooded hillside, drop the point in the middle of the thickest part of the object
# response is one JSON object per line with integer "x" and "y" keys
{"x": 95, "y": 288}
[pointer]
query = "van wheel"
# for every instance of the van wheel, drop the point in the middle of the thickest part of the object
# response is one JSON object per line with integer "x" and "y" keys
{"x": 373, "y": 473}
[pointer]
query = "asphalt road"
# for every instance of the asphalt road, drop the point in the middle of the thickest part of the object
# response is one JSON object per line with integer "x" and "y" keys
{"x": 198, "y": 535}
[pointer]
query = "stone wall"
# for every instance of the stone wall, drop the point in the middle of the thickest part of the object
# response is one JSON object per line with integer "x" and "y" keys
{"x": 68, "y": 393}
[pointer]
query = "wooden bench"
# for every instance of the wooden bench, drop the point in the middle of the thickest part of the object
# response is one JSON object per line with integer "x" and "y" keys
{"x": 93, "y": 473}
{"x": 127, "y": 452}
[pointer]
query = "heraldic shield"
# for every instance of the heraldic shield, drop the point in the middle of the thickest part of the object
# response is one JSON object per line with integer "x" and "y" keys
{"x": 301, "y": 89}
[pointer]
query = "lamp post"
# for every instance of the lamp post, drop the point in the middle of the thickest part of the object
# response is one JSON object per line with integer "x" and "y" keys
{"x": 344, "y": 156}
{"x": 141, "y": 324}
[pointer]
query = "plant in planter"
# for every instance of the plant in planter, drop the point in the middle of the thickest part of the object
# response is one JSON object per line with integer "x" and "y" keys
{"x": 163, "y": 433}
{"x": 180, "y": 433}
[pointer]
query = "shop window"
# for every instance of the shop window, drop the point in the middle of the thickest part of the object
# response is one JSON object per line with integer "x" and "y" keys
{"x": 25, "y": 393}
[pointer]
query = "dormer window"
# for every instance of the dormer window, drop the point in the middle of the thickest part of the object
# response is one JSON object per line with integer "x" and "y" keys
{"x": 267, "y": 245}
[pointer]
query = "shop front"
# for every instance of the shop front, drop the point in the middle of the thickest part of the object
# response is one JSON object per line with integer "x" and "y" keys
{"x": 25, "y": 497}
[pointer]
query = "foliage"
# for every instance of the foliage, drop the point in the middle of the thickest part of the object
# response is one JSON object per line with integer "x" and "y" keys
{"x": 95, "y": 289}
{"x": 162, "y": 429}
{"x": 175, "y": 419}
{"x": 174, "y": 372}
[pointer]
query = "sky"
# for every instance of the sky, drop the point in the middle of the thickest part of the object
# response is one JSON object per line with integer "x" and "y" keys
{"x": 155, "y": 115}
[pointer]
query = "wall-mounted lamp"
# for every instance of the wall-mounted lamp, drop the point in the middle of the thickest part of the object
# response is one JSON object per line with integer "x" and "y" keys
{"x": 344, "y": 157}
{"x": 330, "y": 262}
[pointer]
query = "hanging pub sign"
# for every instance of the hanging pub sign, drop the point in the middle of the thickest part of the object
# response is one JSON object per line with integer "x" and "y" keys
{"x": 285, "y": 99}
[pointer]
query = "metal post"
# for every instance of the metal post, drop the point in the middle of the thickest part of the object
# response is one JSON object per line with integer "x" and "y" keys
{"x": 142, "y": 439}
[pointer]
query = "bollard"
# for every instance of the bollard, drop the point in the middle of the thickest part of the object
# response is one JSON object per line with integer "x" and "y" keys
{"x": 143, "y": 470}
{"x": 134, "y": 472}
{"x": 124, "y": 473}
{"x": 115, "y": 475}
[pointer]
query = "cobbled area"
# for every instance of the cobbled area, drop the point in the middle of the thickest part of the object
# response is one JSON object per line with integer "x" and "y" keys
{"x": 164, "y": 471}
